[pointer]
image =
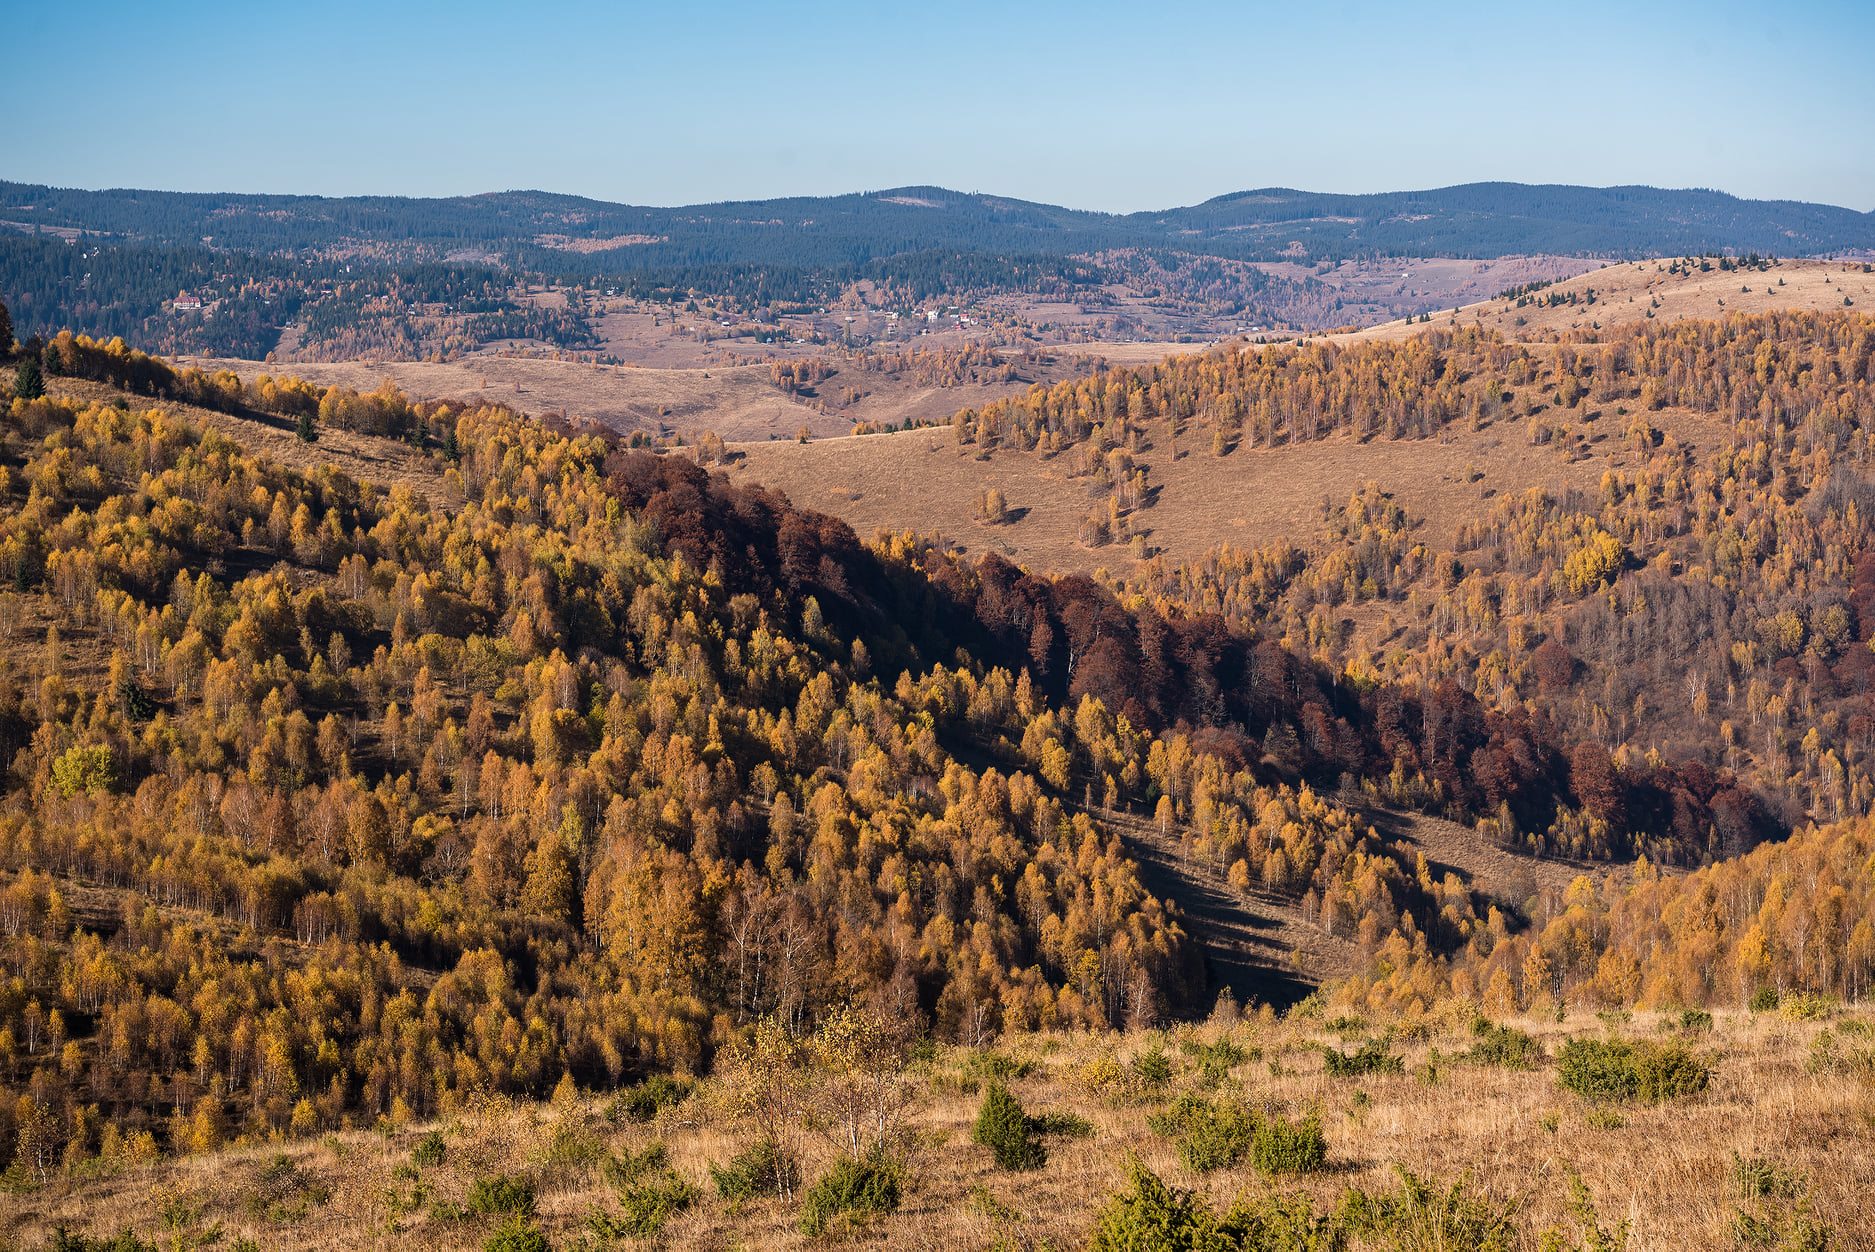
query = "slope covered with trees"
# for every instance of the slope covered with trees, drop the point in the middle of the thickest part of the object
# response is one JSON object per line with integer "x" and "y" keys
{"x": 328, "y": 803}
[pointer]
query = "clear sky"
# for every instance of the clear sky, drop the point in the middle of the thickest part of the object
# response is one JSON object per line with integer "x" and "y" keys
{"x": 1094, "y": 104}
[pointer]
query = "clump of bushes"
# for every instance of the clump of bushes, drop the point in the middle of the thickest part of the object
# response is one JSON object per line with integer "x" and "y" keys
{"x": 1503, "y": 1045}
{"x": 1845, "y": 1049}
{"x": 649, "y": 1194}
{"x": 1216, "y": 1134}
{"x": 1419, "y": 1214}
{"x": 760, "y": 1169}
{"x": 501, "y": 1194}
{"x": 1007, "y": 1132}
{"x": 1691, "y": 1022}
{"x": 855, "y": 1189}
{"x": 1280, "y": 1146}
{"x": 1150, "y": 1213}
{"x": 430, "y": 1151}
{"x": 1372, "y": 1057}
{"x": 1152, "y": 1068}
{"x": 516, "y": 1234}
{"x": 1211, "y": 1134}
{"x": 1807, "y": 1007}
{"x": 1630, "y": 1069}
{"x": 645, "y": 1100}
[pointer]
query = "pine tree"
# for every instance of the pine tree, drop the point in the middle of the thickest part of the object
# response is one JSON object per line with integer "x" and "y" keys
{"x": 28, "y": 382}
{"x": 307, "y": 429}
{"x": 1004, "y": 1129}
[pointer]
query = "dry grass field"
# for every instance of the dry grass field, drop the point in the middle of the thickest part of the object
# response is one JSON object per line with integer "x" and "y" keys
{"x": 738, "y": 401}
{"x": 923, "y": 480}
{"x": 1778, "y": 1136}
{"x": 1627, "y": 291}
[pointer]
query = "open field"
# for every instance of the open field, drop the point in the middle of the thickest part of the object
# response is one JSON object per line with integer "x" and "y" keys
{"x": 737, "y": 401}
{"x": 1627, "y": 291}
{"x": 923, "y": 480}
{"x": 1513, "y": 1137}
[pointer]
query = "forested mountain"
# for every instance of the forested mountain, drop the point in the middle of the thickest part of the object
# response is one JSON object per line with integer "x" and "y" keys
{"x": 1479, "y": 220}
{"x": 327, "y": 802}
{"x": 252, "y": 263}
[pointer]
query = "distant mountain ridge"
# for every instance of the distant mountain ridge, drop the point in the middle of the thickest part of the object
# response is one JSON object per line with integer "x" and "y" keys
{"x": 1471, "y": 220}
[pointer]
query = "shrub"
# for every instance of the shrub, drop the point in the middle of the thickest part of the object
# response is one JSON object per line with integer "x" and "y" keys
{"x": 645, "y": 1101}
{"x": 1372, "y": 1057}
{"x": 1839, "y": 1052}
{"x": 1152, "y": 1067}
{"x": 628, "y": 1166}
{"x": 760, "y": 1169}
{"x": 647, "y": 1204}
{"x": 1623, "y": 1069}
{"x": 1504, "y": 1045}
{"x": 1004, "y": 1129}
{"x": 1764, "y": 1000}
{"x": 1693, "y": 1021}
{"x": 1419, "y": 1215}
{"x": 991, "y": 1065}
{"x": 430, "y": 1150}
{"x": 855, "y": 1189}
{"x": 1280, "y": 1146}
{"x": 1807, "y": 1007}
{"x": 1151, "y": 1214}
{"x": 516, "y": 1234}
{"x": 1211, "y": 1134}
{"x": 1062, "y": 1125}
{"x": 501, "y": 1193}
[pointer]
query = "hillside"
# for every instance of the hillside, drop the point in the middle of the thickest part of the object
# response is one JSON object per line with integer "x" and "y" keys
{"x": 1479, "y": 220}
{"x": 558, "y": 768}
{"x": 384, "y": 278}
{"x": 1491, "y": 1150}
{"x": 1341, "y": 494}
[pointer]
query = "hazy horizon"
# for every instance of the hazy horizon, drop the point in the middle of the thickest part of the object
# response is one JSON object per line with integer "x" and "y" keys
{"x": 758, "y": 197}
{"x": 1086, "y": 105}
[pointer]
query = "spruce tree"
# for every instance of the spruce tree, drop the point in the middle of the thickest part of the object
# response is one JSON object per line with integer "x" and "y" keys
{"x": 1005, "y": 1130}
{"x": 28, "y": 383}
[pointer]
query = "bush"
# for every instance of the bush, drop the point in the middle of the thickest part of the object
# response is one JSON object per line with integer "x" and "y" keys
{"x": 649, "y": 1098}
{"x": 1211, "y": 1134}
{"x": 760, "y": 1169}
{"x": 1623, "y": 1069}
{"x": 1004, "y": 1129}
{"x": 1280, "y": 1146}
{"x": 855, "y": 1189}
{"x": 1152, "y": 1067}
{"x": 650, "y": 1202}
{"x": 1371, "y": 1057}
{"x": 430, "y": 1150}
{"x": 1694, "y": 1021}
{"x": 1807, "y": 1007}
{"x": 1764, "y": 1000}
{"x": 1419, "y": 1215}
{"x": 1152, "y": 1215}
{"x": 1504, "y": 1045}
{"x": 991, "y": 1065}
{"x": 501, "y": 1193}
{"x": 517, "y": 1234}
{"x": 1062, "y": 1125}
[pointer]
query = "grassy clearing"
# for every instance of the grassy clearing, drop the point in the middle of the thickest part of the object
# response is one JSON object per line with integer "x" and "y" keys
{"x": 1779, "y": 1143}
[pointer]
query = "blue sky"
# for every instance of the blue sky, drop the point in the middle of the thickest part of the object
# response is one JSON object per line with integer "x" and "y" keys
{"x": 1097, "y": 105}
